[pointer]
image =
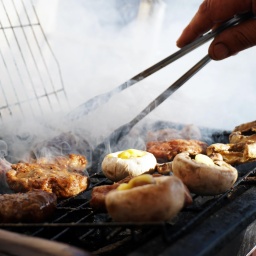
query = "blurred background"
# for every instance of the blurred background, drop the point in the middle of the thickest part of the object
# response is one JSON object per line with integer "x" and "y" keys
{"x": 87, "y": 47}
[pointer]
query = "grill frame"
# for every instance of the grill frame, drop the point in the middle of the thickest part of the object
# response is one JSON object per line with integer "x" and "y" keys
{"x": 75, "y": 222}
{"x": 152, "y": 238}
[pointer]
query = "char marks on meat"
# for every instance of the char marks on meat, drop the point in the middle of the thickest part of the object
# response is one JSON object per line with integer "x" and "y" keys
{"x": 63, "y": 178}
{"x": 33, "y": 206}
{"x": 167, "y": 150}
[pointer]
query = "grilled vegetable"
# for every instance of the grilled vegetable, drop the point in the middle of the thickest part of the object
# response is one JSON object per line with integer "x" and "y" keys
{"x": 203, "y": 175}
{"x": 130, "y": 162}
{"x": 146, "y": 198}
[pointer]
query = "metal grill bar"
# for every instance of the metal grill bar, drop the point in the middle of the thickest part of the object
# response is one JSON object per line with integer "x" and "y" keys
{"x": 31, "y": 80}
{"x": 86, "y": 225}
{"x": 199, "y": 225}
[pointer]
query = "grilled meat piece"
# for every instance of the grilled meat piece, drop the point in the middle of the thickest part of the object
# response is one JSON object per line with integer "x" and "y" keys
{"x": 72, "y": 162}
{"x": 33, "y": 206}
{"x": 250, "y": 126}
{"x": 237, "y": 137}
{"x": 243, "y": 133}
{"x": 98, "y": 196}
{"x": 48, "y": 177}
{"x": 236, "y": 153}
{"x": 167, "y": 150}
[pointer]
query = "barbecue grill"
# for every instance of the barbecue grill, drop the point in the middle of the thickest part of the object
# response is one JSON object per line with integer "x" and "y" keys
{"x": 204, "y": 228}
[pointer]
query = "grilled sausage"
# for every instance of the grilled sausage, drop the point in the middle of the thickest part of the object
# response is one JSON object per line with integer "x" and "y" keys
{"x": 33, "y": 206}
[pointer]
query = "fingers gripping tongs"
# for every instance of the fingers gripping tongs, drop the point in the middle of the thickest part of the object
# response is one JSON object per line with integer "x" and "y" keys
{"x": 99, "y": 100}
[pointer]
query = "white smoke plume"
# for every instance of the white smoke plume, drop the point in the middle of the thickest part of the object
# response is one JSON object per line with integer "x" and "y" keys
{"x": 101, "y": 44}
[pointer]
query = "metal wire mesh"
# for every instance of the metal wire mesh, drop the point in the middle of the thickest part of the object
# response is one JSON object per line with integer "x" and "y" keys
{"x": 30, "y": 81}
{"x": 76, "y": 223}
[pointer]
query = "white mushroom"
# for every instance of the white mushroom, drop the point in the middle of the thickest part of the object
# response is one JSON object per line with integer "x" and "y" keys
{"x": 202, "y": 175}
{"x": 130, "y": 162}
{"x": 146, "y": 198}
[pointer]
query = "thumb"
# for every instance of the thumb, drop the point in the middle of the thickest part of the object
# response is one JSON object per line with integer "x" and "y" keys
{"x": 233, "y": 40}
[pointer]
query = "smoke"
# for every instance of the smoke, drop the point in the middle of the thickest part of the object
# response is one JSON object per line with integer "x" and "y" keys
{"x": 101, "y": 44}
{"x": 99, "y": 48}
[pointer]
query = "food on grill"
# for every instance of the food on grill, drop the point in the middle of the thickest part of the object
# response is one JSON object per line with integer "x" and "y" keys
{"x": 147, "y": 198}
{"x": 164, "y": 168}
{"x": 32, "y": 206}
{"x": 188, "y": 132}
{"x": 65, "y": 180}
{"x": 236, "y": 153}
{"x": 250, "y": 126}
{"x": 73, "y": 162}
{"x": 130, "y": 162}
{"x": 98, "y": 194}
{"x": 202, "y": 175}
{"x": 167, "y": 150}
{"x": 243, "y": 133}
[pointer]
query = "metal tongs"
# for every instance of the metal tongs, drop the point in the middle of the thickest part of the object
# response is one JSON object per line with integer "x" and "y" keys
{"x": 95, "y": 102}
{"x": 99, "y": 100}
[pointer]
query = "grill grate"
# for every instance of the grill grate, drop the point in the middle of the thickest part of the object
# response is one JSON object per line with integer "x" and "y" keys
{"x": 75, "y": 223}
{"x": 31, "y": 81}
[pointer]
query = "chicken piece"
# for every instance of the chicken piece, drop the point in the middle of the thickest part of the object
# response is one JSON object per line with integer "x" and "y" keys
{"x": 236, "y": 153}
{"x": 167, "y": 150}
{"x": 237, "y": 137}
{"x": 33, "y": 206}
{"x": 72, "y": 162}
{"x": 243, "y": 133}
{"x": 48, "y": 177}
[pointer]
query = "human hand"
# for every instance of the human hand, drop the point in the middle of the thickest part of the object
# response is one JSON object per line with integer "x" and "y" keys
{"x": 213, "y": 13}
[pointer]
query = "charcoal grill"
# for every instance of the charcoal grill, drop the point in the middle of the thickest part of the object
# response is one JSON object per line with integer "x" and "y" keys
{"x": 204, "y": 228}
